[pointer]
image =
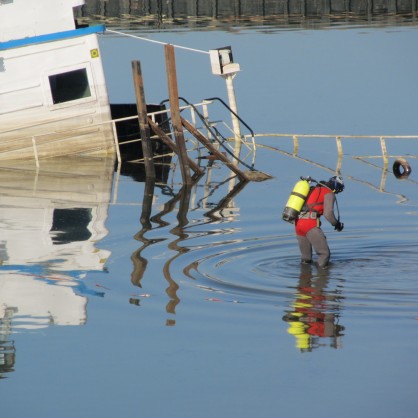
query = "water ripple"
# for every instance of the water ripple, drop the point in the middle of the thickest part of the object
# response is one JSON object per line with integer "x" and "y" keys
{"x": 364, "y": 274}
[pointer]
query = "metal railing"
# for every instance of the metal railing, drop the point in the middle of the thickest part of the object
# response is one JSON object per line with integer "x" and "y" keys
{"x": 33, "y": 141}
{"x": 339, "y": 141}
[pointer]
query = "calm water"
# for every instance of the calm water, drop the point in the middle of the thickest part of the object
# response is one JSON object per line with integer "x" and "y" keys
{"x": 118, "y": 302}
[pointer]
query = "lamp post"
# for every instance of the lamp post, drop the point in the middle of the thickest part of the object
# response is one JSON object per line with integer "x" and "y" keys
{"x": 223, "y": 64}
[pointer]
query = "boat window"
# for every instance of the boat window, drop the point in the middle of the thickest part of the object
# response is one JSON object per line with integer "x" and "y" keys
{"x": 72, "y": 85}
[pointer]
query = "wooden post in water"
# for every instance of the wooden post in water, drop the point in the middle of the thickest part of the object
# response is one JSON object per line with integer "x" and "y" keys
{"x": 143, "y": 119}
{"x": 175, "y": 113}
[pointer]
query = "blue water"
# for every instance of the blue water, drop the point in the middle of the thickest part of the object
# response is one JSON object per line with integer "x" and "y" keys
{"x": 191, "y": 315}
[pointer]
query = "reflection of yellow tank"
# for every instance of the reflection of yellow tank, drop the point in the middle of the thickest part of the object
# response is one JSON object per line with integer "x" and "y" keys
{"x": 296, "y": 200}
{"x": 313, "y": 312}
{"x": 298, "y": 330}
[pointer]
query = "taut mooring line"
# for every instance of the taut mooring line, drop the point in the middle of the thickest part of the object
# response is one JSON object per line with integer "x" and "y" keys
{"x": 156, "y": 42}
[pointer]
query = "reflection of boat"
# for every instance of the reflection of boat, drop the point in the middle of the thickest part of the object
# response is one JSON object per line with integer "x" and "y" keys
{"x": 55, "y": 214}
{"x": 28, "y": 303}
{"x": 50, "y": 223}
{"x": 36, "y": 304}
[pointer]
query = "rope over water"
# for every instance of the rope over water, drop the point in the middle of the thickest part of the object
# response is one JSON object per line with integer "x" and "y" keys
{"x": 156, "y": 42}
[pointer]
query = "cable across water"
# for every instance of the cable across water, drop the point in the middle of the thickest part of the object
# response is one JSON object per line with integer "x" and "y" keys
{"x": 156, "y": 42}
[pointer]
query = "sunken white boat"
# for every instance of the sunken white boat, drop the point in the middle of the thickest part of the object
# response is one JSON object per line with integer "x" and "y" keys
{"x": 53, "y": 96}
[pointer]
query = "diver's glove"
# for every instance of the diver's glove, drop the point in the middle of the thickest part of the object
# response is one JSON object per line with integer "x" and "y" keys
{"x": 339, "y": 226}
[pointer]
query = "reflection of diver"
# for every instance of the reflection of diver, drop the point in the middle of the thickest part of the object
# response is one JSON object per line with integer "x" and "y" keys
{"x": 314, "y": 313}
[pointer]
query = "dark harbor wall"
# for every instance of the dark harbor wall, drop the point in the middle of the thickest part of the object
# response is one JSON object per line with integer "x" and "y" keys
{"x": 157, "y": 13}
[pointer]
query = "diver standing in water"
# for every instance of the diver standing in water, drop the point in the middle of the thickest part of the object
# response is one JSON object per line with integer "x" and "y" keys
{"x": 319, "y": 201}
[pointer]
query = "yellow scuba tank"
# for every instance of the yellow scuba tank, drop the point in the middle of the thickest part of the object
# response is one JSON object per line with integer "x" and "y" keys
{"x": 296, "y": 200}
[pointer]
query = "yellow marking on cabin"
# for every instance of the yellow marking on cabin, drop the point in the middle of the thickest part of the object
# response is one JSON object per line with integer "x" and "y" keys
{"x": 94, "y": 53}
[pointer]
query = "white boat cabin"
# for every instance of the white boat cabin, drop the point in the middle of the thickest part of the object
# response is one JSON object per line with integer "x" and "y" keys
{"x": 53, "y": 96}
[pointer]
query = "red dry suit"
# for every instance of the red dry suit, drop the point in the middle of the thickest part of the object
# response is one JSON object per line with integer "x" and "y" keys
{"x": 320, "y": 201}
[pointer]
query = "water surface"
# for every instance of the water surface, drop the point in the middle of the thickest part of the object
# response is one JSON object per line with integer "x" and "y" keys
{"x": 192, "y": 303}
